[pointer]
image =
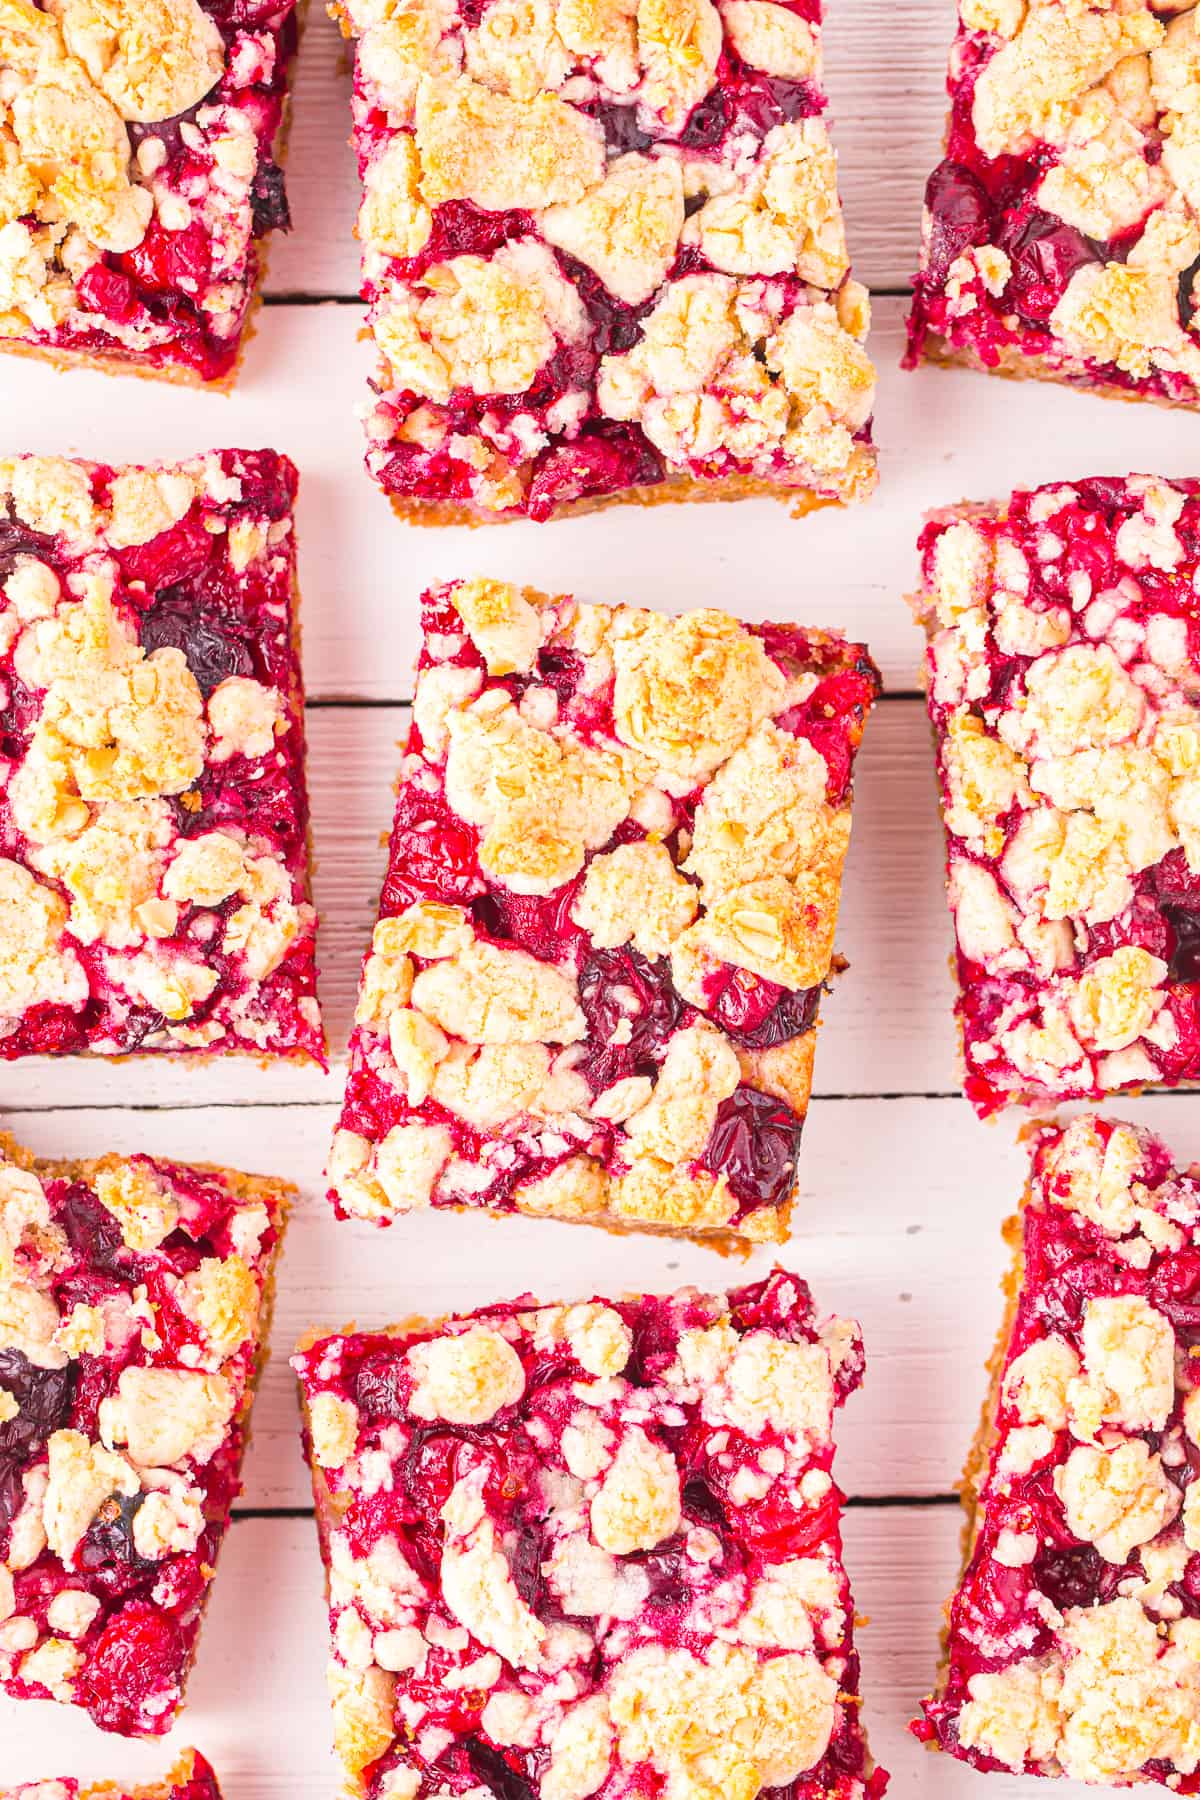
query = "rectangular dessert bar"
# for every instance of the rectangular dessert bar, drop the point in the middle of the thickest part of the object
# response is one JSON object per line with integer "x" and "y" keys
{"x": 192, "y": 1778}
{"x": 1073, "y": 1646}
{"x": 153, "y": 816}
{"x": 1060, "y": 238}
{"x": 138, "y": 177}
{"x": 607, "y": 918}
{"x": 603, "y": 253}
{"x": 590, "y": 1549}
{"x": 1063, "y": 670}
{"x": 135, "y": 1298}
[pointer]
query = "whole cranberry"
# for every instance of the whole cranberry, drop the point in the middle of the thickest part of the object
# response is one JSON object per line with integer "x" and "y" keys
{"x": 754, "y": 1144}
{"x": 757, "y": 1013}
{"x": 603, "y": 462}
{"x": 1044, "y": 254}
{"x": 960, "y": 214}
{"x": 138, "y": 1658}
{"x": 628, "y": 998}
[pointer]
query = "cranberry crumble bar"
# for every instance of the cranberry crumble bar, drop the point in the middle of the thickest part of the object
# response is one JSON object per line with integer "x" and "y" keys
{"x": 604, "y": 257}
{"x": 591, "y": 1550}
{"x": 1073, "y": 1645}
{"x": 153, "y": 854}
{"x": 1063, "y": 671}
{"x": 192, "y": 1778}
{"x": 136, "y": 176}
{"x": 607, "y": 919}
{"x": 1060, "y": 231}
{"x": 134, "y": 1303}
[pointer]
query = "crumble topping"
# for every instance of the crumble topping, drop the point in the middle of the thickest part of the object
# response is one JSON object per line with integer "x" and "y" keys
{"x": 130, "y": 1298}
{"x": 626, "y": 218}
{"x": 1072, "y": 1646}
{"x": 1060, "y": 229}
{"x": 153, "y": 879}
{"x": 1061, "y": 688}
{"x": 135, "y": 167}
{"x": 192, "y": 1778}
{"x": 563, "y": 1571}
{"x": 608, "y": 916}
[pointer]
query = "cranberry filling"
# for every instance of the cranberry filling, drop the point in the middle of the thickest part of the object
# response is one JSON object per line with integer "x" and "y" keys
{"x": 493, "y": 1768}
{"x": 512, "y": 1465}
{"x": 432, "y": 856}
{"x": 268, "y": 200}
{"x": 543, "y": 927}
{"x": 1044, "y": 254}
{"x": 609, "y": 457}
{"x": 754, "y": 1145}
{"x": 757, "y": 1013}
{"x": 631, "y": 1008}
{"x": 213, "y": 654}
{"x": 44, "y": 1398}
{"x": 139, "y": 1655}
{"x": 960, "y": 216}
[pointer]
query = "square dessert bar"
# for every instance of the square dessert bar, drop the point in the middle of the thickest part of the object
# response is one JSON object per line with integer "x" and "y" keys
{"x": 153, "y": 817}
{"x": 192, "y": 1778}
{"x": 591, "y": 1549}
{"x": 1060, "y": 231}
{"x": 603, "y": 253}
{"x": 607, "y": 917}
{"x": 137, "y": 175}
{"x": 1063, "y": 675}
{"x": 1074, "y": 1644}
{"x": 134, "y": 1303}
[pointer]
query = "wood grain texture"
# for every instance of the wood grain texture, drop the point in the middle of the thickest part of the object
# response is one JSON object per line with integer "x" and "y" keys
{"x": 903, "y": 1193}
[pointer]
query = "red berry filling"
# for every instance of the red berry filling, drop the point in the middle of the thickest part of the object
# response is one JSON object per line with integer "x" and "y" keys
{"x": 122, "y": 1456}
{"x": 1111, "y": 896}
{"x": 181, "y": 296}
{"x": 711, "y": 1546}
{"x": 1059, "y": 1596}
{"x": 214, "y": 589}
{"x": 632, "y": 1014}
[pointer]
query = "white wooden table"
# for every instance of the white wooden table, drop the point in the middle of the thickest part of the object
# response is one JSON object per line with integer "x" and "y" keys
{"x": 904, "y": 1191}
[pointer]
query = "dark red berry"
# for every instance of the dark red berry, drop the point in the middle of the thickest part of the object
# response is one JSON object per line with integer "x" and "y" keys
{"x": 769, "y": 100}
{"x": 174, "y": 556}
{"x": 708, "y": 122}
{"x": 213, "y": 655}
{"x": 138, "y": 1658}
{"x": 757, "y": 1013}
{"x": 627, "y": 996}
{"x": 600, "y": 463}
{"x": 960, "y": 215}
{"x": 43, "y": 1398}
{"x": 493, "y": 1769}
{"x": 620, "y": 125}
{"x": 754, "y": 1144}
{"x": 268, "y": 200}
{"x": 1044, "y": 254}
{"x": 108, "y": 291}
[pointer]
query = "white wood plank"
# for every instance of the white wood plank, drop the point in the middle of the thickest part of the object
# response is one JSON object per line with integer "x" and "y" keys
{"x": 257, "y": 1705}
{"x": 885, "y": 76}
{"x": 943, "y": 436}
{"x": 898, "y": 1225}
{"x": 887, "y": 1024}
